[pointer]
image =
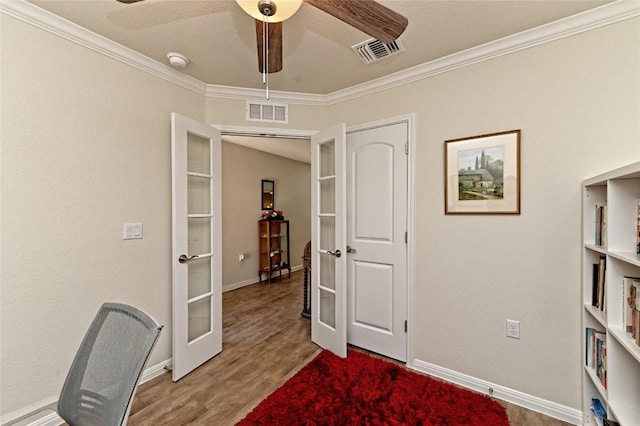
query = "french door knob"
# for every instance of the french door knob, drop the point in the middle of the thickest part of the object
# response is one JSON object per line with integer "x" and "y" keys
{"x": 185, "y": 259}
{"x": 336, "y": 253}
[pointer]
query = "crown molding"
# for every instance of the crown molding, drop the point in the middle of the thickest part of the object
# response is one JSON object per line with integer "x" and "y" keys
{"x": 591, "y": 19}
{"x": 247, "y": 94}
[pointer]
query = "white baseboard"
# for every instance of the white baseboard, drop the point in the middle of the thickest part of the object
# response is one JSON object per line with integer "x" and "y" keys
{"x": 240, "y": 284}
{"x": 40, "y": 413}
{"x": 52, "y": 418}
{"x": 530, "y": 402}
{"x": 156, "y": 370}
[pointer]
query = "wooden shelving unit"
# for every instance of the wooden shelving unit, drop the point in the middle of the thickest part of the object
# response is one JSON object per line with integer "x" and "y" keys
{"x": 274, "y": 248}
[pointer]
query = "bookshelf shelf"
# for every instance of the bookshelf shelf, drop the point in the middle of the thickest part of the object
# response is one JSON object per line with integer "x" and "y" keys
{"x": 610, "y": 232}
{"x": 598, "y": 249}
{"x": 627, "y": 415}
{"x": 596, "y": 382}
{"x": 632, "y": 258}
{"x": 625, "y": 340}
{"x": 596, "y": 315}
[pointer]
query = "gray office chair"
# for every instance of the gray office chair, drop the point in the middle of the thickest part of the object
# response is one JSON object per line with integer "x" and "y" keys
{"x": 105, "y": 373}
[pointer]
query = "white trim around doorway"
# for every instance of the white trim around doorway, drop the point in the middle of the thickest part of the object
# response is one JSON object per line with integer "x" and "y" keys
{"x": 410, "y": 119}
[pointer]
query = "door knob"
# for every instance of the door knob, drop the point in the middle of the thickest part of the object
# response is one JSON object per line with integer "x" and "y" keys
{"x": 184, "y": 258}
{"x": 350, "y": 250}
{"x": 336, "y": 253}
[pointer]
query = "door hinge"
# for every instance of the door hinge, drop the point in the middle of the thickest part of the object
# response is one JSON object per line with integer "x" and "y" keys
{"x": 406, "y": 237}
{"x": 406, "y": 147}
{"x": 405, "y": 326}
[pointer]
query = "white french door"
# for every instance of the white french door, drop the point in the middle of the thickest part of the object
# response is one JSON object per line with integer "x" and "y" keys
{"x": 196, "y": 243}
{"x": 328, "y": 239}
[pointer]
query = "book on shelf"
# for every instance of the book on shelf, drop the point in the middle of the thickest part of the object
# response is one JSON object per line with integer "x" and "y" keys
{"x": 629, "y": 291}
{"x": 598, "y": 226}
{"x": 601, "y": 226}
{"x": 637, "y": 325}
{"x": 598, "y": 283}
{"x": 601, "y": 359}
{"x": 636, "y": 312}
{"x": 603, "y": 230}
{"x": 594, "y": 285}
{"x": 631, "y": 307}
{"x": 638, "y": 229}
{"x": 598, "y": 412}
{"x": 602, "y": 373}
{"x": 588, "y": 354}
{"x": 596, "y": 353}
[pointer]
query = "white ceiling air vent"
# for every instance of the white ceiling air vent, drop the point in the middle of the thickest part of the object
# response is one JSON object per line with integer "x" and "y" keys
{"x": 373, "y": 50}
{"x": 267, "y": 112}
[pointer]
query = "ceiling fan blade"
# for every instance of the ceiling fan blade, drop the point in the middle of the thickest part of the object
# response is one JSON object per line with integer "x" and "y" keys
{"x": 275, "y": 45}
{"x": 368, "y": 16}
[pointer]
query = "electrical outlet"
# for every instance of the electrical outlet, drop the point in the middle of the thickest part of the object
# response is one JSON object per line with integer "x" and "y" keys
{"x": 513, "y": 329}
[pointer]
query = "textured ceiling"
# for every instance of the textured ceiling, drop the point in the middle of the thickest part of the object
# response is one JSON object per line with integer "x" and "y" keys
{"x": 219, "y": 38}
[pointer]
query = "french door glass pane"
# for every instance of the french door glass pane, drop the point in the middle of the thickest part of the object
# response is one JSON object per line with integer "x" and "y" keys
{"x": 327, "y": 233}
{"x": 199, "y": 318}
{"x": 198, "y": 156}
{"x": 328, "y": 308}
{"x": 199, "y": 235}
{"x": 327, "y": 196}
{"x": 198, "y": 195}
{"x": 199, "y": 277}
{"x": 327, "y": 159}
{"x": 327, "y": 271}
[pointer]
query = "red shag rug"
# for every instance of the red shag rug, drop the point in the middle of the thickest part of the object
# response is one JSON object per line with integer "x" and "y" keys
{"x": 363, "y": 390}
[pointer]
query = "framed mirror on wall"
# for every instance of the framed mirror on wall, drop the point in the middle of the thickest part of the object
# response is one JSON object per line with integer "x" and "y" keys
{"x": 268, "y": 194}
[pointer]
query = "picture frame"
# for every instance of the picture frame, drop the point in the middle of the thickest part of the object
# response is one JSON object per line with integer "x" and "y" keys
{"x": 482, "y": 174}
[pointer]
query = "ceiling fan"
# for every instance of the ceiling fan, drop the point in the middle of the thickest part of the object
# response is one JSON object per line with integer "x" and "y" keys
{"x": 368, "y": 16}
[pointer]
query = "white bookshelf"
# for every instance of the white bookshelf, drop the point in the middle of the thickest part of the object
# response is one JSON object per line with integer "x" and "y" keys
{"x": 619, "y": 191}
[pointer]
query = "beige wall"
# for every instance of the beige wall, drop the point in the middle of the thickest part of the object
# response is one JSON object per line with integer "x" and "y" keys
{"x": 577, "y": 101}
{"x": 242, "y": 172}
{"x": 85, "y": 148}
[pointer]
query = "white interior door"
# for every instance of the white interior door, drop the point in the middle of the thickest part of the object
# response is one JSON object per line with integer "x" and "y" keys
{"x": 377, "y": 191}
{"x": 328, "y": 219}
{"x": 197, "y": 243}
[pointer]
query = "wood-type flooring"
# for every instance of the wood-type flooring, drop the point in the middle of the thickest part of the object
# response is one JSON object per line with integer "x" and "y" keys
{"x": 265, "y": 341}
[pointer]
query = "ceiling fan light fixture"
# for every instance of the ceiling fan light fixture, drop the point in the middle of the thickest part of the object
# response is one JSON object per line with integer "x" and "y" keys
{"x": 276, "y": 10}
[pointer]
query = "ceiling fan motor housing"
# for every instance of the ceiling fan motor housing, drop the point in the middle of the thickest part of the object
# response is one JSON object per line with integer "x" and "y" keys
{"x": 267, "y": 7}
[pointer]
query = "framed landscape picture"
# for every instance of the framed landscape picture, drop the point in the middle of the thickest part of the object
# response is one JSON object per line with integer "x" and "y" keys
{"x": 482, "y": 174}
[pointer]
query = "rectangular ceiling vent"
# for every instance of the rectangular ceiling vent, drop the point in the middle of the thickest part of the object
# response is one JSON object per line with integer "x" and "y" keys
{"x": 267, "y": 112}
{"x": 373, "y": 50}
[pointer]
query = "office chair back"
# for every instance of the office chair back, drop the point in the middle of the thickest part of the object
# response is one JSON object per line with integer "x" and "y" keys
{"x": 105, "y": 373}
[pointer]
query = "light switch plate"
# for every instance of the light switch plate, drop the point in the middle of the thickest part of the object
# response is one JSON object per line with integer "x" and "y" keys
{"x": 132, "y": 231}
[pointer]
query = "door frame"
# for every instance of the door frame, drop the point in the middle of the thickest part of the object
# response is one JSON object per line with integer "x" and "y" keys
{"x": 410, "y": 119}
